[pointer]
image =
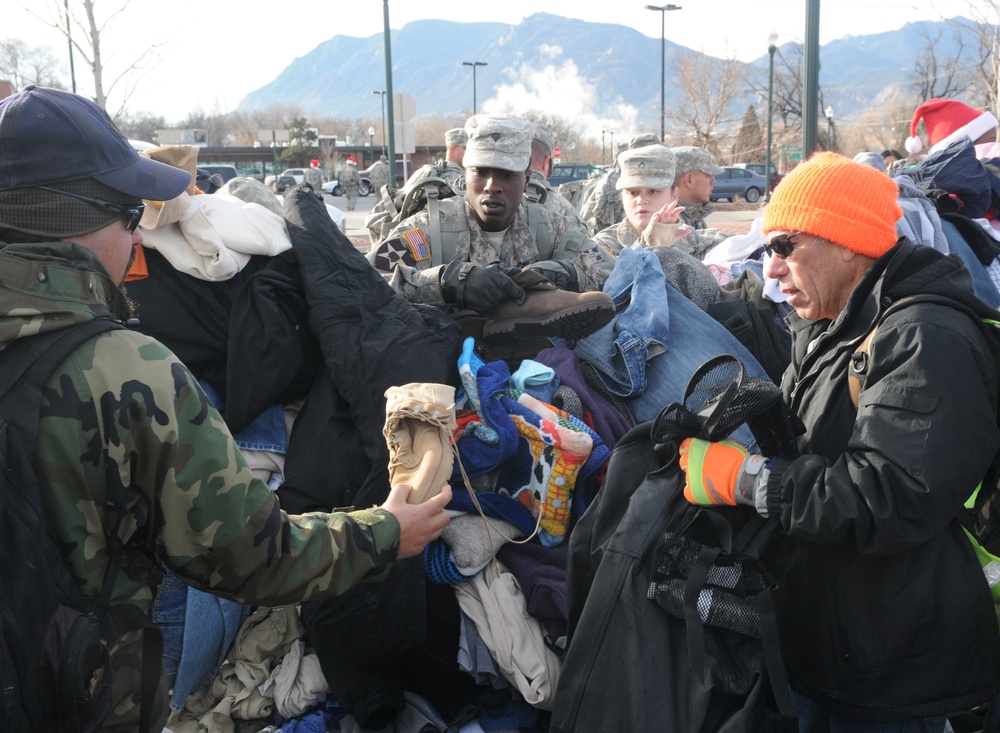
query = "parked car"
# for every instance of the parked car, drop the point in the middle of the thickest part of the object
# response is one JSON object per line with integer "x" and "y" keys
{"x": 566, "y": 172}
{"x": 228, "y": 172}
{"x": 281, "y": 183}
{"x": 761, "y": 169}
{"x": 334, "y": 188}
{"x": 739, "y": 183}
{"x": 299, "y": 174}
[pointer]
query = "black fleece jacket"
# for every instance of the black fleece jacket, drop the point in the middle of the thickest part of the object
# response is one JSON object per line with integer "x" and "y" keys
{"x": 887, "y": 615}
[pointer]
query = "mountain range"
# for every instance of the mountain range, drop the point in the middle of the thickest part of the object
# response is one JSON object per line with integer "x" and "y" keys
{"x": 560, "y": 65}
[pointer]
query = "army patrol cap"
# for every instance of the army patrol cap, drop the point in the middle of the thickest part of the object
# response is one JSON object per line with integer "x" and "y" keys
{"x": 498, "y": 141}
{"x": 641, "y": 141}
{"x": 545, "y": 136}
{"x": 651, "y": 166}
{"x": 691, "y": 158}
{"x": 456, "y": 137}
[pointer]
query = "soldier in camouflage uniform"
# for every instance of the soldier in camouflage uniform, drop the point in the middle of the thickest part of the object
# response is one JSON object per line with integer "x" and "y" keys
{"x": 601, "y": 205}
{"x": 350, "y": 183}
{"x": 695, "y": 178}
{"x": 653, "y": 221}
{"x": 122, "y": 417}
{"x": 378, "y": 174}
{"x": 450, "y": 169}
{"x": 461, "y": 257}
{"x": 538, "y": 186}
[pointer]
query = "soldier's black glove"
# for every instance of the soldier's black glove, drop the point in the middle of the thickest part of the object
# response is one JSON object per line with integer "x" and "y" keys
{"x": 480, "y": 289}
{"x": 560, "y": 272}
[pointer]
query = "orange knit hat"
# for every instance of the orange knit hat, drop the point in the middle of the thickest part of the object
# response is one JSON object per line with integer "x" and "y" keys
{"x": 833, "y": 197}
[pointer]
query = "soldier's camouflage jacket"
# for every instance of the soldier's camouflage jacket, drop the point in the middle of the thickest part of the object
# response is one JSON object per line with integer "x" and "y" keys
{"x": 123, "y": 416}
{"x": 557, "y": 204}
{"x": 602, "y": 205}
{"x": 702, "y": 237}
{"x": 407, "y": 258}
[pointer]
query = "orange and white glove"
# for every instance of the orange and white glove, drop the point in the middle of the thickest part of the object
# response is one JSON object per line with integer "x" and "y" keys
{"x": 720, "y": 473}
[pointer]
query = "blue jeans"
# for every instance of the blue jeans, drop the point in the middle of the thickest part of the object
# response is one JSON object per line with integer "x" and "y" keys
{"x": 168, "y": 616}
{"x": 649, "y": 352}
{"x": 815, "y": 719}
{"x": 211, "y": 624}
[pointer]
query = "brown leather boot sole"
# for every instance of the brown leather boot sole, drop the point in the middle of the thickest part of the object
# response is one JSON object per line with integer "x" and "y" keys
{"x": 573, "y": 322}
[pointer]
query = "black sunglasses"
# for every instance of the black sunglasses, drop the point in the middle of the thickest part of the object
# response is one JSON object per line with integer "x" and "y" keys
{"x": 782, "y": 245}
{"x": 131, "y": 214}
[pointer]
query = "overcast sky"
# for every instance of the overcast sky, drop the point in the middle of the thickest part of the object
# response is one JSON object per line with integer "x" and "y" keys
{"x": 216, "y": 51}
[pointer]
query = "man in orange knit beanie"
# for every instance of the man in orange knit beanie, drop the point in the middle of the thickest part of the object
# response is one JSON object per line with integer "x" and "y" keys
{"x": 886, "y": 616}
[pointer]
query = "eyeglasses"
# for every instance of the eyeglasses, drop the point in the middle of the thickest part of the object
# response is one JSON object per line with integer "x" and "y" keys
{"x": 781, "y": 245}
{"x": 131, "y": 214}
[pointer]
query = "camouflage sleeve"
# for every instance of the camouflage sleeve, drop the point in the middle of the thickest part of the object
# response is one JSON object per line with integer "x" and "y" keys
{"x": 403, "y": 259}
{"x": 607, "y": 240}
{"x": 592, "y": 262}
{"x": 700, "y": 241}
{"x": 124, "y": 415}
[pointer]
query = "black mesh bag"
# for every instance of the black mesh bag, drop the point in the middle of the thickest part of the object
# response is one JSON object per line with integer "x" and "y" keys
{"x": 716, "y": 567}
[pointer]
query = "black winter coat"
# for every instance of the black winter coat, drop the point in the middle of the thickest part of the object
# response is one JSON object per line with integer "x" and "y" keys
{"x": 887, "y": 615}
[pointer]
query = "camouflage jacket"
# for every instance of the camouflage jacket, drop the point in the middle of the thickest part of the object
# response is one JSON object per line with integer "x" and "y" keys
{"x": 694, "y": 214}
{"x": 449, "y": 172}
{"x": 349, "y": 180}
{"x": 602, "y": 205}
{"x": 702, "y": 237}
{"x": 407, "y": 258}
{"x": 123, "y": 417}
{"x": 378, "y": 174}
{"x": 558, "y": 205}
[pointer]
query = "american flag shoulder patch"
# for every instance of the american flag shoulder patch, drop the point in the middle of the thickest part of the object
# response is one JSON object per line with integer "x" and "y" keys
{"x": 417, "y": 244}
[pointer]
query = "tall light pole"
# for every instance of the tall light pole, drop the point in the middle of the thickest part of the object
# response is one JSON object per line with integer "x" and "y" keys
{"x": 829, "y": 127}
{"x": 474, "y": 64}
{"x": 387, "y": 38}
{"x": 604, "y": 154}
{"x": 371, "y": 139}
{"x": 614, "y": 155}
{"x": 663, "y": 62}
{"x": 383, "y": 118}
{"x": 771, "y": 48}
{"x": 69, "y": 41}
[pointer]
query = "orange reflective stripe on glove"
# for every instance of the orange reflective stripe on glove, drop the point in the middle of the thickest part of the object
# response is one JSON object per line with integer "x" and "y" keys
{"x": 722, "y": 472}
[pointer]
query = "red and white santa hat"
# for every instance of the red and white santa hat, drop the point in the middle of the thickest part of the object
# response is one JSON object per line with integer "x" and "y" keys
{"x": 946, "y": 121}
{"x": 352, "y": 161}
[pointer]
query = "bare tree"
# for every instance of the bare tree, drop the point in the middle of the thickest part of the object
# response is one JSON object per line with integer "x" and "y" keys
{"x": 79, "y": 20}
{"x": 940, "y": 74}
{"x": 708, "y": 89}
{"x": 22, "y": 64}
{"x": 986, "y": 33}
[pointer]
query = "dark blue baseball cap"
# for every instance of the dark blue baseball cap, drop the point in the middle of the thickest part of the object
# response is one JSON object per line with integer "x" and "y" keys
{"x": 50, "y": 136}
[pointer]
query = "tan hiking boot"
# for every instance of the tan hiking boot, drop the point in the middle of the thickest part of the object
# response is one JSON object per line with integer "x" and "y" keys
{"x": 548, "y": 311}
{"x": 419, "y": 423}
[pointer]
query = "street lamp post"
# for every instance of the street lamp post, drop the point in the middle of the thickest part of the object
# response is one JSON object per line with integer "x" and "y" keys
{"x": 663, "y": 61}
{"x": 613, "y": 154}
{"x": 474, "y": 64}
{"x": 829, "y": 126}
{"x": 383, "y": 118}
{"x": 604, "y": 154}
{"x": 371, "y": 139}
{"x": 771, "y": 48}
